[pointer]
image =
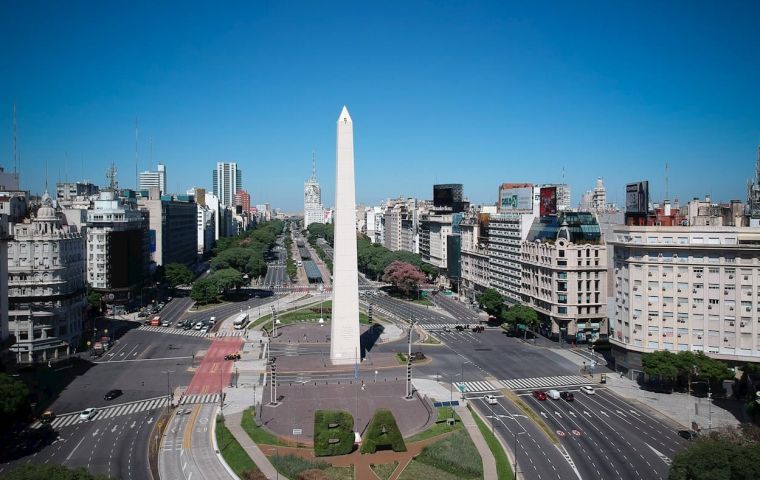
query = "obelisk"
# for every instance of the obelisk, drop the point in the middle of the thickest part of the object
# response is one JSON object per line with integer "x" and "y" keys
{"x": 344, "y": 329}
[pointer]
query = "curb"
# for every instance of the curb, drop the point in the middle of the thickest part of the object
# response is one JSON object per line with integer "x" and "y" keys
{"x": 216, "y": 448}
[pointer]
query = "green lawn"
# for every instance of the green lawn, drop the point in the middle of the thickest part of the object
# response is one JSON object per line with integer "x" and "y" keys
{"x": 503, "y": 468}
{"x": 384, "y": 470}
{"x": 291, "y": 466}
{"x": 340, "y": 473}
{"x": 439, "y": 427}
{"x": 417, "y": 470}
{"x": 233, "y": 453}
{"x": 304, "y": 314}
{"x": 257, "y": 433}
{"x": 423, "y": 301}
{"x": 455, "y": 454}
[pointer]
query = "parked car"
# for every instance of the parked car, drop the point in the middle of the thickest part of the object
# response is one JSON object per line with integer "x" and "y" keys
{"x": 539, "y": 395}
{"x": 567, "y": 396}
{"x": 588, "y": 390}
{"x": 553, "y": 394}
{"x": 88, "y": 413}
{"x": 111, "y": 394}
{"x": 490, "y": 399}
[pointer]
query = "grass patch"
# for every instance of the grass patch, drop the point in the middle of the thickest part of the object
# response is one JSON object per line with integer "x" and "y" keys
{"x": 258, "y": 434}
{"x": 207, "y": 306}
{"x": 233, "y": 453}
{"x": 340, "y": 473}
{"x": 422, "y": 301}
{"x": 417, "y": 470}
{"x": 384, "y": 470}
{"x": 455, "y": 454}
{"x": 503, "y": 468}
{"x": 430, "y": 340}
{"x": 439, "y": 427}
{"x": 383, "y": 432}
{"x": 532, "y": 414}
{"x": 292, "y": 465}
{"x": 308, "y": 313}
{"x": 333, "y": 432}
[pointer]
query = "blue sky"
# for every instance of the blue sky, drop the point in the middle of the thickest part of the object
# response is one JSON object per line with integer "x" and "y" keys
{"x": 475, "y": 93}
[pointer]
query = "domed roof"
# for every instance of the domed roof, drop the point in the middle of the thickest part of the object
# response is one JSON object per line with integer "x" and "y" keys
{"x": 46, "y": 211}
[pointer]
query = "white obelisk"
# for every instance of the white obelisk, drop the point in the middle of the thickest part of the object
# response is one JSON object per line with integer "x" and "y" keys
{"x": 344, "y": 329}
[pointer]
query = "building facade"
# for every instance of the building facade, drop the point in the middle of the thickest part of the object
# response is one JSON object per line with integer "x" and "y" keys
{"x": 154, "y": 179}
{"x": 70, "y": 191}
{"x": 686, "y": 289}
{"x": 118, "y": 248}
{"x": 243, "y": 200}
{"x": 46, "y": 288}
{"x": 474, "y": 264}
{"x": 227, "y": 179}
{"x": 206, "y": 228}
{"x": 174, "y": 225}
{"x": 564, "y": 276}
{"x": 313, "y": 212}
{"x": 5, "y": 236}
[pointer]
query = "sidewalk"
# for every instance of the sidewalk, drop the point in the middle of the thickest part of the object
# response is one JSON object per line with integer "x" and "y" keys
{"x": 489, "y": 462}
{"x": 233, "y": 425}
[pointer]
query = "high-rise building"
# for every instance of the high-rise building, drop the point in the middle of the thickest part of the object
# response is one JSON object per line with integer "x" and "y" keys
{"x": 70, "y": 191}
{"x": 174, "y": 225}
{"x": 46, "y": 287}
{"x": 564, "y": 275}
{"x": 4, "y": 238}
{"x": 686, "y": 288}
{"x": 448, "y": 197}
{"x": 312, "y": 198}
{"x": 118, "y": 247}
{"x": 563, "y": 195}
{"x": 149, "y": 179}
{"x": 243, "y": 200}
{"x": 595, "y": 200}
{"x": 227, "y": 179}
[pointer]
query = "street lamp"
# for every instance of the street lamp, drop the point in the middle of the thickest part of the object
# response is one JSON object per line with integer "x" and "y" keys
{"x": 168, "y": 387}
{"x": 517, "y": 434}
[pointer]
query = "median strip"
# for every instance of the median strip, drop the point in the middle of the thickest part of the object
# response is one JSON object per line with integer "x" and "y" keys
{"x": 531, "y": 414}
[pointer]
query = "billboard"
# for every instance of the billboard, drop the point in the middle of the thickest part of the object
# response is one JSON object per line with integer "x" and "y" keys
{"x": 548, "y": 201}
{"x": 516, "y": 198}
{"x": 637, "y": 197}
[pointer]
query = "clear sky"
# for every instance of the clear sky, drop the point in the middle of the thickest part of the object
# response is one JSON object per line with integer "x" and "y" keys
{"x": 439, "y": 92}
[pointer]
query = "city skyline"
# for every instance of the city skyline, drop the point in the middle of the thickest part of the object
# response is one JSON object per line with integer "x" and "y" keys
{"x": 253, "y": 86}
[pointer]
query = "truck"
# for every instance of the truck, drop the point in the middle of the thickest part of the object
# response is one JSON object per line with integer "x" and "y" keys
{"x": 240, "y": 321}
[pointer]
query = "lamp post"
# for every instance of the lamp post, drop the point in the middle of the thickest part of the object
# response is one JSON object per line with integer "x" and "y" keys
{"x": 168, "y": 386}
{"x": 517, "y": 434}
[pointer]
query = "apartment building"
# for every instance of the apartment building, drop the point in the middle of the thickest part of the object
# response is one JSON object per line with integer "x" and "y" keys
{"x": 474, "y": 265}
{"x": 564, "y": 276}
{"x": 683, "y": 288}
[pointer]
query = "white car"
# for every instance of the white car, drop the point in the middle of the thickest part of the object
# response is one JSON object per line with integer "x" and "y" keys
{"x": 199, "y": 325}
{"x": 88, "y": 413}
{"x": 204, "y": 330}
{"x": 553, "y": 394}
{"x": 588, "y": 390}
{"x": 490, "y": 399}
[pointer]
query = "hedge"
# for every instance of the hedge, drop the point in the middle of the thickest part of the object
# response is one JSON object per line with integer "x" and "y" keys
{"x": 375, "y": 437}
{"x": 343, "y": 432}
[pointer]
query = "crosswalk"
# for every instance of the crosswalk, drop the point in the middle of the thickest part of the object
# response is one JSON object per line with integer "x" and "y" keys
{"x": 438, "y": 326}
{"x": 193, "y": 333}
{"x": 524, "y": 383}
{"x": 109, "y": 412}
{"x": 200, "y": 398}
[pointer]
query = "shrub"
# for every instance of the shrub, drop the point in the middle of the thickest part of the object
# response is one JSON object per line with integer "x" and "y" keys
{"x": 377, "y": 438}
{"x": 343, "y": 432}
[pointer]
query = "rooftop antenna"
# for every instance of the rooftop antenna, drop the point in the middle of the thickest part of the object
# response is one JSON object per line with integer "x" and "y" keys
{"x": 666, "y": 181}
{"x": 15, "y": 151}
{"x": 563, "y": 174}
{"x": 137, "y": 176}
{"x": 46, "y": 176}
{"x": 113, "y": 183}
{"x": 151, "y": 151}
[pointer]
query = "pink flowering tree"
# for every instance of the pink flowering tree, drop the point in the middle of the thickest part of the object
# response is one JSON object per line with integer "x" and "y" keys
{"x": 404, "y": 276}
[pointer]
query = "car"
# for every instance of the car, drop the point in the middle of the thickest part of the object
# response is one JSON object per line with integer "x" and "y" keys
{"x": 187, "y": 326}
{"x": 539, "y": 395}
{"x": 47, "y": 417}
{"x": 212, "y": 320}
{"x": 446, "y": 329}
{"x": 459, "y": 328}
{"x": 553, "y": 394}
{"x": 490, "y": 399}
{"x": 180, "y": 324}
{"x": 88, "y": 413}
{"x": 166, "y": 323}
{"x": 183, "y": 411}
{"x": 567, "y": 396}
{"x": 168, "y": 299}
{"x": 688, "y": 434}
{"x": 204, "y": 330}
{"x": 232, "y": 356}
{"x": 199, "y": 325}
{"x": 111, "y": 394}
{"x": 588, "y": 390}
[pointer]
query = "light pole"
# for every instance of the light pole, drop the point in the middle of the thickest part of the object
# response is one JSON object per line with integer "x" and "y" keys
{"x": 409, "y": 362}
{"x": 168, "y": 387}
{"x": 515, "y": 450}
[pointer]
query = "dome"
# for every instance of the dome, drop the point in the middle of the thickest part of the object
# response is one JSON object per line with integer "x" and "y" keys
{"x": 46, "y": 212}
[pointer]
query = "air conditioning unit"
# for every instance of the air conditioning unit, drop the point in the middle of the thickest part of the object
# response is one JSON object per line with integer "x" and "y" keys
{"x": 679, "y": 335}
{"x": 663, "y": 289}
{"x": 731, "y": 324}
{"x": 699, "y": 337}
{"x": 731, "y": 309}
{"x": 649, "y": 334}
{"x": 649, "y": 289}
{"x": 749, "y": 309}
{"x": 730, "y": 277}
{"x": 694, "y": 306}
{"x": 679, "y": 275}
{"x": 699, "y": 275}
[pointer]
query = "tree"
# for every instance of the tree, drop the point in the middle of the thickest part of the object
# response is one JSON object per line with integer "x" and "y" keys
{"x": 227, "y": 279}
{"x": 94, "y": 299}
{"x": 178, "y": 274}
{"x": 205, "y": 290}
{"x": 403, "y": 276}
{"x": 50, "y": 472}
{"x": 491, "y": 301}
{"x": 13, "y": 395}
{"x": 716, "y": 458}
{"x": 661, "y": 364}
{"x": 522, "y": 314}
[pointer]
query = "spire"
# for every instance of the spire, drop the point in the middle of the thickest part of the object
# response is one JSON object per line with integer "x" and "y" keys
{"x": 313, "y": 165}
{"x": 344, "y": 116}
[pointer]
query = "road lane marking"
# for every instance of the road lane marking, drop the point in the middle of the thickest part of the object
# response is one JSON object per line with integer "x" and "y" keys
{"x": 75, "y": 449}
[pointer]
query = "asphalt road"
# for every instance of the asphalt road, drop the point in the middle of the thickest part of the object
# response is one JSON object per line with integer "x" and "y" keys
{"x": 407, "y": 310}
{"x": 456, "y": 309}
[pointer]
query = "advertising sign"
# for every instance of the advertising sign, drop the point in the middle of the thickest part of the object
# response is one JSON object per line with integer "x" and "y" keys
{"x": 516, "y": 198}
{"x": 548, "y": 201}
{"x": 637, "y": 197}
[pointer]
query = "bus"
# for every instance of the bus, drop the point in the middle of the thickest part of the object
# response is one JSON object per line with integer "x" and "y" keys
{"x": 155, "y": 321}
{"x": 240, "y": 321}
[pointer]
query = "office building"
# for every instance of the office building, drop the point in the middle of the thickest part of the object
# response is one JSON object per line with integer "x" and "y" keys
{"x": 4, "y": 238}
{"x": 449, "y": 197}
{"x": 206, "y": 228}
{"x": 173, "y": 222}
{"x": 46, "y": 287}
{"x": 313, "y": 212}
{"x": 227, "y": 179}
{"x": 564, "y": 276}
{"x": 67, "y": 192}
{"x": 154, "y": 179}
{"x": 243, "y": 200}
{"x": 8, "y": 180}
{"x": 118, "y": 248}
{"x": 685, "y": 288}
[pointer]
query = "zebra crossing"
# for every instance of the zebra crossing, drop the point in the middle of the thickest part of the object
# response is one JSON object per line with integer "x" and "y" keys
{"x": 437, "y": 326}
{"x": 108, "y": 412}
{"x": 192, "y": 333}
{"x": 200, "y": 398}
{"x": 230, "y": 333}
{"x": 524, "y": 383}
